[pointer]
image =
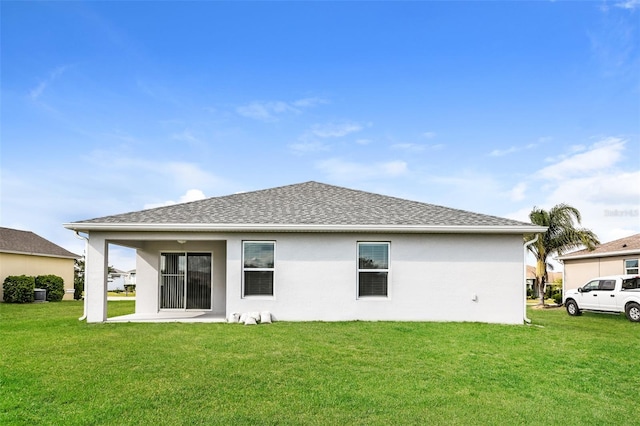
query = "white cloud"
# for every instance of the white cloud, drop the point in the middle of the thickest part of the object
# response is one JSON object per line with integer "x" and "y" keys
{"x": 188, "y": 137}
{"x": 517, "y": 193}
{"x": 304, "y": 147}
{"x": 592, "y": 180}
{"x": 416, "y": 147}
{"x": 598, "y": 157}
{"x": 339, "y": 169}
{"x": 37, "y": 91}
{"x": 413, "y": 147}
{"x": 628, "y": 4}
{"x": 103, "y": 183}
{"x": 502, "y": 152}
{"x": 112, "y": 174}
{"x": 614, "y": 43}
{"x": 335, "y": 130}
{"x": 190, "y": 195}
{"x": 393, "y": 168}
{"x": 265, "y": 111}
{"x": 308, "y": 141}
{"x": 272, "y": 110}
{"x": 309, "y": 102}
{"x": 429, "y": 135}
{"x": 610, "y": 188}
{"x": 573, "y": 149}
{"x": 121, "y": 257}
{"x": 511, "y": 150}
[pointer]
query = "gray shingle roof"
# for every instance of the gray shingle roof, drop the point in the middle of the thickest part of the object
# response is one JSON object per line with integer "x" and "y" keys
{"x": 26, "y": 242}
{"x": 309, "y": 203}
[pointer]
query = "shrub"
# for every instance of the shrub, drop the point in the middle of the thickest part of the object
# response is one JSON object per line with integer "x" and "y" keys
{"x": 558, "y": 297}
{"x": 78, "y": 287}
{"x": 54, "y": 286}
{"x": 18, "y": 289}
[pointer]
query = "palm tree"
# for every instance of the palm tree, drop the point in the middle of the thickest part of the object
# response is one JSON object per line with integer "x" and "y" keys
{"x": 562, "y": 235}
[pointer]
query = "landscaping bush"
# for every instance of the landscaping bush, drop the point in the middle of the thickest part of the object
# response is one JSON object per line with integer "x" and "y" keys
{"x": 18, "y": 289}
{"x": 78, "y": 287}
{"x": 557, "y": 297}
{"x": 54, "y": 286}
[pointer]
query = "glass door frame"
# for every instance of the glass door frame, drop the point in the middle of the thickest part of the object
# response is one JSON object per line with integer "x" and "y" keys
{"x": 185, "y": 274}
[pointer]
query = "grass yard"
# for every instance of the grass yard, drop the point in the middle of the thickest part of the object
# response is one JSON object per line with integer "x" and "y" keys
{"x": 56, "y": 370}
{"x": 121, "y": 294}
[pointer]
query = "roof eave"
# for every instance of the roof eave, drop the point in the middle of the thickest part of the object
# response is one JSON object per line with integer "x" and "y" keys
{"x": 601, "y": 254}
{"x": 232, "y": 227}
{"x": 29, "y": 253}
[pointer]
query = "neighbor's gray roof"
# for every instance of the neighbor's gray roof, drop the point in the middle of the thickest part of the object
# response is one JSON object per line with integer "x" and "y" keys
{"x": 26, "y": 242}
{"x": 627, "y": 245}
{"x": 309, "y": 203}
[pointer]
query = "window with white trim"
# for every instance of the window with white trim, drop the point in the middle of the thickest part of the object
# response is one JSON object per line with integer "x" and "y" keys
{"x": 258, "y": 268}
{"x": 373, "y": 269}
{"x": 631, "y": 266}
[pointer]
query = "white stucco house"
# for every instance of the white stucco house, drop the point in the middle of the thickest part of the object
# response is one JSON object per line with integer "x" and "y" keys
{"x": 313, "y": 251}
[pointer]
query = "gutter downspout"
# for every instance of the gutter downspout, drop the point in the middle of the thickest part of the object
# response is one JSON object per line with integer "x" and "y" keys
{"x": 84, "y": 284}
{"x": 526, "y": 247}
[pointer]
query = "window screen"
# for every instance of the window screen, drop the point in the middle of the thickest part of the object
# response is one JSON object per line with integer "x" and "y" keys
{"x": 373, "y": 269}
{"x": 258, "y": 268}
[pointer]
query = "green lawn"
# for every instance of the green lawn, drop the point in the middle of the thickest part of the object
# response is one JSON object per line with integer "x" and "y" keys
{"x": 56, "y": 370}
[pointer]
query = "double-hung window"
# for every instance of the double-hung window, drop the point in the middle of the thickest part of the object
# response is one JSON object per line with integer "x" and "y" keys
{"x": 373, "y": 269}
{"x": 631, "y": 266}
{"x": 258, "y": 267}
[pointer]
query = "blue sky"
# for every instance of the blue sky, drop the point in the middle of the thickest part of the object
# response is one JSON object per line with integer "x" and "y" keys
{"x": 493, "y": 107}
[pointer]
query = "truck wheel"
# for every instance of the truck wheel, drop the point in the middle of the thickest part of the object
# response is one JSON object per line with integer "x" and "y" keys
{"x": 633, "y": 312}
{"x": 572, "y": 308}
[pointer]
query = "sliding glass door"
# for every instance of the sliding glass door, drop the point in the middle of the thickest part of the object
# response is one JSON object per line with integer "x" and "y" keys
{"x": 185, "y": 281}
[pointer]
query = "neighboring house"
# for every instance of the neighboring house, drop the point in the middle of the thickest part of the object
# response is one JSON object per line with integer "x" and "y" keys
{"x": 612, "y": 258}
{"x": 25, "y": 253}
{"x": 117, "y": 279}
{"x": 131, "y": 278}
{"x": 553, "y": 277}
{"x": 313, "y": 251}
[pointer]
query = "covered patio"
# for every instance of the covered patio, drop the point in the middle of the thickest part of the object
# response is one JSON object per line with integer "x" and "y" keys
{"x": 181, "y": 277}
{"x": 170, "y": 316}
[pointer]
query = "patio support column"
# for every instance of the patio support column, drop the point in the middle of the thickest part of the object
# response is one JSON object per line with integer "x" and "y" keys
{"x": 96, "y": 278}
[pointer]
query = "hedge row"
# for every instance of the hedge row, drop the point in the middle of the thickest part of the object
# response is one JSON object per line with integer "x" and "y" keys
{"x": 20, "y": 288}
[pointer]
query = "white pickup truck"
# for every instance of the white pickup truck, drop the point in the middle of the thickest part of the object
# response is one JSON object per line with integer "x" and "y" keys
{"x": 616, "y": 293}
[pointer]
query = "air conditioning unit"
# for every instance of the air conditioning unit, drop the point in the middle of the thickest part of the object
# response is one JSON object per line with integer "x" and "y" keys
{"x": 39, "y": 295}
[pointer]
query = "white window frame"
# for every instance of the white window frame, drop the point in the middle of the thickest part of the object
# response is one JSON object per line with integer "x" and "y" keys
{"x": 626, "y": 268}
{"x": 272, "y": 270}
{"x": 387, "y": 270}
